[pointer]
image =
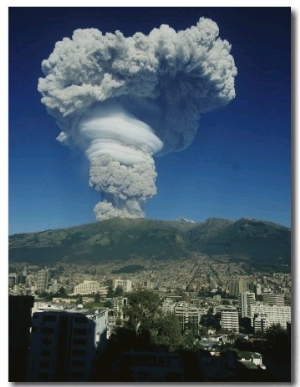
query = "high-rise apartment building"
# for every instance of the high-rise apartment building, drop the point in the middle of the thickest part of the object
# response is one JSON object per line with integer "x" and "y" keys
{"x": 246, "y": 299}
{"x": 258, "y": 289}
{"x": 230, "y": 319}
{"x": 237, "y": 286}
{"x": 42, "y": 281}
{"x": 64, "y": 344}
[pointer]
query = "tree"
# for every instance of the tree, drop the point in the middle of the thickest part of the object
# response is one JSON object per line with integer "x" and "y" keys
{"x": 225, "y": 302}
{"x": 110, "y": 292}
{"x": 279, "y": 341}
{"x": 108, "y": 304}
{"x": 188, "y": 338}
{"x": 62, "y": 292}
{"x": 119, "y": 291}
{"x": 142, "y": 306}
{"x": 166, "y": 333}
{"x": 97, "y": 297}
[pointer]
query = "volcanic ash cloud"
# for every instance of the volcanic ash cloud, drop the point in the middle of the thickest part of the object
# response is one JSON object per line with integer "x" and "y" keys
{"x": 124, "y": 100}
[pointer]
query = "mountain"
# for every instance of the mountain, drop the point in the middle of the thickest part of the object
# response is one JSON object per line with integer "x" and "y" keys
{"x": 260, "y": 242}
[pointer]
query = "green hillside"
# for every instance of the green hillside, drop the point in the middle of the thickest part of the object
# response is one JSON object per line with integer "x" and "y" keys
{"x": 262, "y": 242}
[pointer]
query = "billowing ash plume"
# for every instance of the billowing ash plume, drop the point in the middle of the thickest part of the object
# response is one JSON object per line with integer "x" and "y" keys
{"x": 125, "y": 100}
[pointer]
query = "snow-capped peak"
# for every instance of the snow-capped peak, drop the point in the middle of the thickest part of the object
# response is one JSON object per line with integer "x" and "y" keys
{"x": 184, "y": 220}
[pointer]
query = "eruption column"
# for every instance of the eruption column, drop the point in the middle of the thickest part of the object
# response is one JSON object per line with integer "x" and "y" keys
{"x": 120, "y": 149}
{"x": 124, "y": 100}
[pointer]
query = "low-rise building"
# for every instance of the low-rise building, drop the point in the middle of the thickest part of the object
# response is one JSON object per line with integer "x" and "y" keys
{"x": 87, "y": 287}
{"x": 188, "y": 317}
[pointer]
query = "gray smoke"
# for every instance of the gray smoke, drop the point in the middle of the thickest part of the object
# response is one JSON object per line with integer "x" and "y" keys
{"x": 125, "y": 100}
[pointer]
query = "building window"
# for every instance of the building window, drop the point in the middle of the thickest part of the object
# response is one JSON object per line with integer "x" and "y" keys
{"x": 46, "y": 352}
{"x": 44, "y": 364}
{"x": 79, "y": 341}
{"x": 78, "y": 363}
{"x": 47, "y": 330}
{"x": 80, "y": 352}
{"x": 49, "y": 318}
{"x": 80, "y": 331}
{"x": 80, "y": 319}
{"x": 46, "y": 341}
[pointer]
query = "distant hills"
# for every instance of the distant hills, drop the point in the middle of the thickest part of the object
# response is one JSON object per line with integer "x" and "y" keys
{"x": 262, "y": 243}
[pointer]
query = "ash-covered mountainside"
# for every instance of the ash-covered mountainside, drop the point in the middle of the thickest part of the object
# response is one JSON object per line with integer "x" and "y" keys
{"x": 262, "y": 242}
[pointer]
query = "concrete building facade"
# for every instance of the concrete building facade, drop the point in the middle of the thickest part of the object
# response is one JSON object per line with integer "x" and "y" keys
{"x": 237, "y": 286}
{"x": 87, "y": 287}
{"x": 230, "y": 319}
{"x": 64, "y": 344}
{"x": 188, "y": 317}
{"x": 271, "y": 315}
{"x": 126, "y": 285}
{"x": 273, "y": 299}
{"x": 42, "y": 281}
{"x": 246, "y": 299}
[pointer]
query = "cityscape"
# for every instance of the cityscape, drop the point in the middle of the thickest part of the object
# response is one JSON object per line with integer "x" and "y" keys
{"x": 222, "y": 312}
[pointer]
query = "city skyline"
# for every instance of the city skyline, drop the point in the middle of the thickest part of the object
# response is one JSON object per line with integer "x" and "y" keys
{"x": 238, "y": 164}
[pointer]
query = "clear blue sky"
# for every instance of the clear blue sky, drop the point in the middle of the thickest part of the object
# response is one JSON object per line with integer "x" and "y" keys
{"x": 237, "y": 166}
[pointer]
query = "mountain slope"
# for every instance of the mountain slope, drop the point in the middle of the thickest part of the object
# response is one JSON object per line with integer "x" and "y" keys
{"x": 260, "y": 241}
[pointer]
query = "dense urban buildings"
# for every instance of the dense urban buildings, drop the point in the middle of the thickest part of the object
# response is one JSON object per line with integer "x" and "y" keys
{"x": 214, "y": 302}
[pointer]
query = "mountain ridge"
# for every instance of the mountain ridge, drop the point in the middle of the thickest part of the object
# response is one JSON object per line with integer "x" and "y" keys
{"x": 259, "y": 241}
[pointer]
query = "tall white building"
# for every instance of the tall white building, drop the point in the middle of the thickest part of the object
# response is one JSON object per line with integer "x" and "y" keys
{"x": 65, "y": 343}
{"x": 126, "y": 285}
{"x": 258, "y": 289}
{"x": 246, "y": 299}
{"x": 230, "y": 319}
{"x": 168, "y": 306}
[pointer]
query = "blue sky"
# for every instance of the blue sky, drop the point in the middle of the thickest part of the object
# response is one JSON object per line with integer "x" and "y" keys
{"x": 237, "y": 166}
